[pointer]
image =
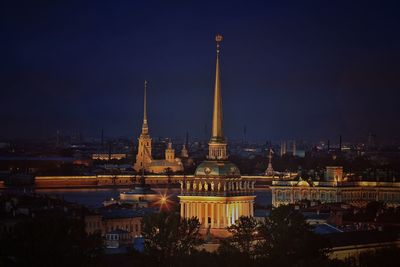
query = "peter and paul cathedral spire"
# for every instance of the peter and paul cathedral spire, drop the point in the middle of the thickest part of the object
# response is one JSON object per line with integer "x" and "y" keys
{"x": 217, "y": 145}
{"x": 143, "y": 157}
{"x": 145, "y": 127}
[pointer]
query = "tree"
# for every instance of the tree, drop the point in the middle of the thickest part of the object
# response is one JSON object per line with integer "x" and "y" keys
{"x": 51, "y": 240}
{"x": 243, "y": 234}
{"x": 167, "y": 236}
{"x": 238, "y": 249}
{"x": 286, "y": 239}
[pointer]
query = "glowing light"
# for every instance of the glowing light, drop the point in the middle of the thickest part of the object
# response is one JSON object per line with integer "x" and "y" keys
{"x": 164, "y": 201}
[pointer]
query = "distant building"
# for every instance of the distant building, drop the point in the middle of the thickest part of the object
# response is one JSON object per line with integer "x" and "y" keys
{"x": 108, "y": 156}
{"x": 110, "y": 220}
{"x": 270, "y": 169}
{"x": 184, "y": 152}
{"x": 144, "y": 159}
{"x": 334, "y": 173}
{"x": 117, "y": 238}
{"x": 335, "y": 189}
{"x": 350, "y": 245}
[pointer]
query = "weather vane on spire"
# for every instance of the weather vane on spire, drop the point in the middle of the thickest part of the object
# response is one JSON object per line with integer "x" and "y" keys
{"x": 218, "y": 39}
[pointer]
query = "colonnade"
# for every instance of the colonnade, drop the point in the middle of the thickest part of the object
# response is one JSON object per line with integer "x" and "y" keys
{"x": 217, "y": 214}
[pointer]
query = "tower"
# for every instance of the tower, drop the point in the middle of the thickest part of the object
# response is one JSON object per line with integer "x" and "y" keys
{"x": 170, "y": 153}
{"x": 143, "y": 157}
{"x": 283, "y": 148}
{"x": 184, "y": 151}
{"x": 294, "y": 148}
{"x": 217, "y": 195}
{"x": 270, "y": 170}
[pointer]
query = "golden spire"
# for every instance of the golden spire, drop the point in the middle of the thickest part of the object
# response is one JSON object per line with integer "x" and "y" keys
{"x": 217, "y": 132}
{"x": 145, "y": 127}
{"x": 217, "y": 145}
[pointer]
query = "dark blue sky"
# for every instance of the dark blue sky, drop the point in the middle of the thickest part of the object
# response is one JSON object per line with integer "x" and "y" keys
{"x": 298, "y": 69}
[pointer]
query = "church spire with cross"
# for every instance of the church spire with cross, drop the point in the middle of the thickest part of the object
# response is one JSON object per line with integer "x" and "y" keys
{"x": 143, "y": 157}
{"x": 145, "y": 126}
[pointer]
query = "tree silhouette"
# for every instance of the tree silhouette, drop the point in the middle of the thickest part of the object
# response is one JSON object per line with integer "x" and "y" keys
{"x": 168, "y": 237}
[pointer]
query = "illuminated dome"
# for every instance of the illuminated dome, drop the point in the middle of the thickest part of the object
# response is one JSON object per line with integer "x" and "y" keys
{"x": 223, "y": 169}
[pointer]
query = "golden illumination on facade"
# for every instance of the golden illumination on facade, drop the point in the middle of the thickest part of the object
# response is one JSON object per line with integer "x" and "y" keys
{"x": 108, "y": 156}
{"x": 217, "y": 195}
{"x": 144, "y": 159}
{"x": 334, "y": 189}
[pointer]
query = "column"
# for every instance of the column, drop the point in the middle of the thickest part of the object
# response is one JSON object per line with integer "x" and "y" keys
{"x": 227, "y": 214}
{"x": 212, "y": 215}
{"x": 200, "y": 212}
{"x": 237, "y": 211}
{"x": 195, "y": 209}
{"x": 232, "y": 210}
{"x": 251, "y": 209}
{"x": 183, "y": 210}
{"x": 218, "y": 215}
{"x": 206, "y": 214}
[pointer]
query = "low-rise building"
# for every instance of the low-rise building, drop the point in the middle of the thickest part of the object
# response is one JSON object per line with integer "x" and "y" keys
{"x": 108, "y": 220}
{"x": 335, "y": 189}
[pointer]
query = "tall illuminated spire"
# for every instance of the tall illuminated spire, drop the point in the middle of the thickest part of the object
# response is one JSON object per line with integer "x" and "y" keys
{"x": 217, "y": 131}
{"x": 145, "y": 127}
{"x": 143, "y": 157}
{"x": 217, "y": 145}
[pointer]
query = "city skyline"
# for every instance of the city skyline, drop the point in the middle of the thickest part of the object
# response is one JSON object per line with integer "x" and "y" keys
{"x": 316, "y": 74}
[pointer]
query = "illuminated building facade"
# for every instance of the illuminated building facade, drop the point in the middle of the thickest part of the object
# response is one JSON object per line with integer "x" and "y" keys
{"x": 335, "y": 188}
{"x": 144, "y": 159}
{"x": 108, "y": 156}
{"x": 217, "y": 195}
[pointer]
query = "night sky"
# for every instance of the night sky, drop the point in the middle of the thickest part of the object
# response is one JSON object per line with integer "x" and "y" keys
{"x": 295, "y": 69}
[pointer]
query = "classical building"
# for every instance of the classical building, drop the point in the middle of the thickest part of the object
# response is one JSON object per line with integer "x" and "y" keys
{"x": 144, "y": 159}
{"x": 335, "y": 188}
{"x": 217, "y": 195}
{"x": 108, "y": 156}
{"x": 126, "y": 223}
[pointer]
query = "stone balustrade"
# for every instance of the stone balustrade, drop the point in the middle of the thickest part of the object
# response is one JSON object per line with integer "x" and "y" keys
{"x": 216, "y": 187}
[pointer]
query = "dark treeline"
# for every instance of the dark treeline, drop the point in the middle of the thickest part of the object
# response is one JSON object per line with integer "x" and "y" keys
{"x": 282, "y": 239}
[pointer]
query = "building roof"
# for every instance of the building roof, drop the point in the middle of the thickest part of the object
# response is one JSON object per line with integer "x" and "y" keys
{"x": 217, "y": 169}
{"x": 315, "y": 216}
{"x": 361, "y": 238}
{"x": 163, "y": 162}
{"x": 325, "y": 228}
{"x": 124, "y": 213}
{"x": 117, "y": 232}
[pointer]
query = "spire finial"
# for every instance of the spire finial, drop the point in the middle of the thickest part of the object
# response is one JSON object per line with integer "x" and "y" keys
{"x": 218, "y": 39}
